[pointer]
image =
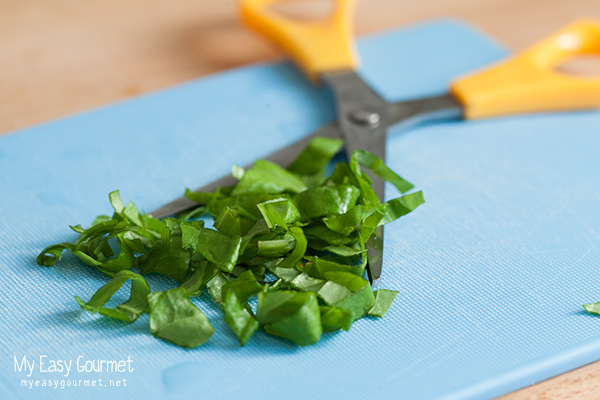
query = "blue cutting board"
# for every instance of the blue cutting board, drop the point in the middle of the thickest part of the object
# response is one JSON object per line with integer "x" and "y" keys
{"x": 492, "y": 270}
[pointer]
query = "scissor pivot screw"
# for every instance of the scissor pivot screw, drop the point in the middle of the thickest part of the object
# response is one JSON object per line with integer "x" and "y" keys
{"x": 366, "y": 118}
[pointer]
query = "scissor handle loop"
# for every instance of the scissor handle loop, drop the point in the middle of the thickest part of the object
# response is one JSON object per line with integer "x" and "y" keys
{"x": 529, "y": 81}
{"x": 316, "y": 46}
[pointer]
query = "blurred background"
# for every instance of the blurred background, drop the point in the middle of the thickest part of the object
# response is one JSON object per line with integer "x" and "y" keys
{"x": 58, "y": 57}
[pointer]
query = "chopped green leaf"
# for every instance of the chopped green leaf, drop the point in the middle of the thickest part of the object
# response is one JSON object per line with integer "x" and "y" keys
{"x": 383, "y": 301}
{"x": 244, "y": 286}
{"x": 321, "y": 201}
{"x": 400, "y": 206}
{"x": 307, "y": 283}
{"x": 204, "y": 271}
{"x": 233, "y": 223}
{"x": 201, "y": 197}
{"x": 372, "y": 220}
{"x": 52, "y": 254}
{"x": 279, "y": 212}
{"x": 285, "y": 274}
{"x": 376, "y": 165}
{"x": 316, "y": 156}
{"x": 219, "y": 249}
{"x": 344, "y": 223}
{"x": 174, "y": 318}
{"x": 321, "y": 269}
{"x": 239, "y": 317}
{"x": 169, "y": 260}
{"x": 333, "y": 319}
{"x": 593, "y": 308}
{"x": 215, "y": 287}
{"x": 291, "y": 315}
{"x": 128, "y": 311}
{"x": 244, "y": 204}
{"x": 299, "y": 249}
{"x": 347, "y": 291}
{"x": 266, "y": 177}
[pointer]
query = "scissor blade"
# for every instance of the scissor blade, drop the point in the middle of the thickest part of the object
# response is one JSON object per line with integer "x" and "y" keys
{"x": 427, "y": 109}
{"x": 283, "y": 158}
{"x": 363, "y": 119}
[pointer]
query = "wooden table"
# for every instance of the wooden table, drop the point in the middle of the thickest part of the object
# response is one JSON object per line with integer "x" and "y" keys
{"x": 58, "y": 57}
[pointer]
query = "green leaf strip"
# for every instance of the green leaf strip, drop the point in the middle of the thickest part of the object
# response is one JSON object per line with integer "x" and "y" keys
{"x": 128, "y": 311}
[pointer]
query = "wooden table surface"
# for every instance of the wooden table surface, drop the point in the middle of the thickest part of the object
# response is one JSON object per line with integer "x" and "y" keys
{"x": 58, "y": 57}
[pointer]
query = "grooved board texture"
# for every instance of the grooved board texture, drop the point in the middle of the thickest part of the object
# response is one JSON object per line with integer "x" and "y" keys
{"x": 492, "y": 270}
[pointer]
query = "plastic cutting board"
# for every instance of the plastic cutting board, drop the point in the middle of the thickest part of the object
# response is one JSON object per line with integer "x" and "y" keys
{"x": 492, "y": 270}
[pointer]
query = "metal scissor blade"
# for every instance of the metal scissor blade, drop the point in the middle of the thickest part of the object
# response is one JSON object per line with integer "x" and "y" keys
{"x": 427, "y": 109}
{"x": 363, "y": 118}
{"x": 362, "y": 114}
{"x": 282, "y": 157}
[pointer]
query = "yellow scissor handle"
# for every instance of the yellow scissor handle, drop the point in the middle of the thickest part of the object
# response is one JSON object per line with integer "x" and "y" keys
{"x": 316, "y": 46}
{"x": 529, "y": 82}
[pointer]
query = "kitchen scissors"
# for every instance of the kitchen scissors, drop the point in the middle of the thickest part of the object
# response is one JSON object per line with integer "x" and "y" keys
{"x": 325, "y": 51}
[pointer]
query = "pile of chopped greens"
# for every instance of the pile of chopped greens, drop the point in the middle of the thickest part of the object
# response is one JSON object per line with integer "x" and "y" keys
{"x": 294, "y": 238}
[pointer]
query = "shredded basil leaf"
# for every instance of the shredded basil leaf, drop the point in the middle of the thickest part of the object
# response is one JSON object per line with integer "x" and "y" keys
{"x": 333, "y": 318}
{"x": 376, "y": 165}
{"x": 128, "y": 311}
{"x": 383, "y": 301}
{"x": 321, "y": 201}
{"x": 316, "y": 156}
{"x": 279, "y": 212}
{"x": 204, "y": 271}
{"x": 292, "y": 315}
{"x": 238, "y": 315}
{"x": 293, "y": 237}
{"x": 174, "y": 318}
{"x": 266, "y": 177}
{"x": 593, "y": 308}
